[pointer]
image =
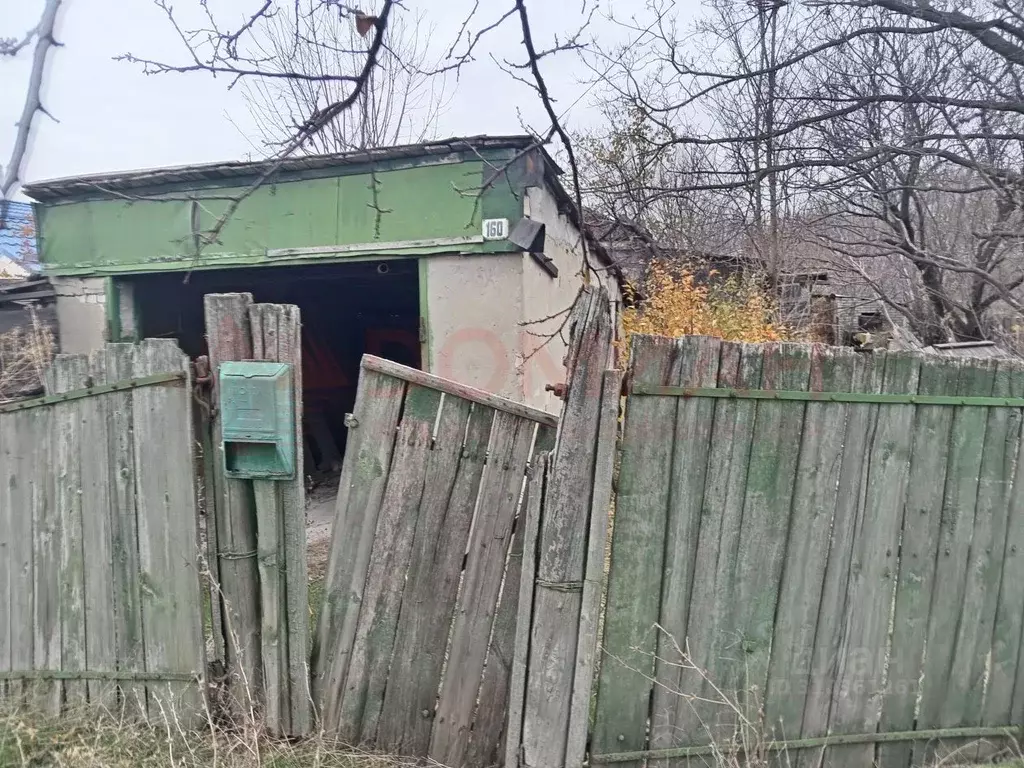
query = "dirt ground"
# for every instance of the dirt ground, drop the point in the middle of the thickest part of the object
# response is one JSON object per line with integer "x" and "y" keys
{"x": 319, "y": 518}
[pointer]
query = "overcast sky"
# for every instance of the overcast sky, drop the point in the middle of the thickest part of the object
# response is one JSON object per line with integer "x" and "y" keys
{"x": 114, "y": 117}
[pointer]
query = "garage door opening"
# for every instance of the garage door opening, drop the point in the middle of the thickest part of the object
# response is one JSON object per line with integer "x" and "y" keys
{"x": 347, "y": 310}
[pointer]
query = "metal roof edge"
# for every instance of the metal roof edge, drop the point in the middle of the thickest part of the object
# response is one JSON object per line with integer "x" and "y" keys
{"x": 58, "y": 189}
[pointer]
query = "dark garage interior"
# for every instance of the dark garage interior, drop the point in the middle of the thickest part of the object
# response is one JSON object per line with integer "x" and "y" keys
{"x": 347, "y": 309}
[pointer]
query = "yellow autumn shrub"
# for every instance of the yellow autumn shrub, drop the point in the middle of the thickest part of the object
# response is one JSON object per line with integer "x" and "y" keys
{"x": 671, "y": 302}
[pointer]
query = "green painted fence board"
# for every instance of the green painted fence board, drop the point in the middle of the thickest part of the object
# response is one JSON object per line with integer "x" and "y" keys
{"x": 970, "y": 666}
{"x": 918, "y": 548}
{"x": 693, "y": 428}
{"x": 956, "y": 532}
{"x": 637, "y": 553}
{"x": 703, "y": 718}
{"x": 867, "y": 377}
{"x": 771, "y": 475}
{"x": 1005, "y": 697}
{"x": 814, "y": 504}
{"x": 860, "y": 675}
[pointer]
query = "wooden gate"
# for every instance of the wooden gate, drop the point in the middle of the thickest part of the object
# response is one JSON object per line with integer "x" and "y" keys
{"x": 99, "y": 564}
{"x": 413, "y": 650}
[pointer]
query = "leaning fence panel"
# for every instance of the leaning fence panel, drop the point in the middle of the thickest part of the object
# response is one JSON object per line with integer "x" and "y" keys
{"x": 414, "y": 645}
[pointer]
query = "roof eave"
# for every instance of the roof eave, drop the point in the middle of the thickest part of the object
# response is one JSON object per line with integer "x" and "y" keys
{"x": 59, "y": 189}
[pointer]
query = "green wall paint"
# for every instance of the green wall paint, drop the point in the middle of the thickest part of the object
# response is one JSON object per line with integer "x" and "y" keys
{"x": 114, "y": 236}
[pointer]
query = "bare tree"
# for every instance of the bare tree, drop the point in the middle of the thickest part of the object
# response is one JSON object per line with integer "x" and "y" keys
{"x": 883, "y": 117}
{"x": 650, "y": 82}
{"x": 233, "y": 49}
{"x": 41, "y": 37}
{"x": 400, "y": 103}
{"x": 911, "y": 202}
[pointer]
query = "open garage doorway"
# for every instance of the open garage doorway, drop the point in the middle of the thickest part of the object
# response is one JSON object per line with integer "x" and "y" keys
{"x": 347, "y": 309}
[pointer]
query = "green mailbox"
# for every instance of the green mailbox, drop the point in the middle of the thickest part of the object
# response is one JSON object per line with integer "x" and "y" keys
{"x": 257, "y": 403}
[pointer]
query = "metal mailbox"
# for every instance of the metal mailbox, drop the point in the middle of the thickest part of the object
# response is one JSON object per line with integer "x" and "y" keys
{"x": 257, "y": 401}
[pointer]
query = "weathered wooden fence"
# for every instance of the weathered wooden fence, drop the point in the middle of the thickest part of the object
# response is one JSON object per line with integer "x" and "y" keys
{"x": 99, "y": 574}
{"x": 815, "y": 551}
{"x": 414, "y": 646}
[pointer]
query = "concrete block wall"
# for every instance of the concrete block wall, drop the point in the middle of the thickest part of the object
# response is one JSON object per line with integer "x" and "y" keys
{"x": 81, "y": 313}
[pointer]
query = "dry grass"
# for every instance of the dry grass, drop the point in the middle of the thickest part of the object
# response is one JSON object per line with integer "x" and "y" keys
{"x": 733, "y": 731}
{"x": 107, "y": 740}
{"x": 25, "y": 354}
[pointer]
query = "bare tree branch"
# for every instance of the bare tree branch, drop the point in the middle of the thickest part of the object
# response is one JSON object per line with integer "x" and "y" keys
{"x": 43, "y": 35}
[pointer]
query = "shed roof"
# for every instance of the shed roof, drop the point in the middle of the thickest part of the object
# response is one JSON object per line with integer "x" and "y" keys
{"x": 121, "y": 183}
{"x": 127, "y": 182}
{"x": 982, "y": 350}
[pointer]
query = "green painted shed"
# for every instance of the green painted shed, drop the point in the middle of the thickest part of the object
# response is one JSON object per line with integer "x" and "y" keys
{"x": 402, "y": 252}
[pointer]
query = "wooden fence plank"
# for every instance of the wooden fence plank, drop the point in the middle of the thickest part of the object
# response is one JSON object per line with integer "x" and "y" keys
{"x": 168, "y": 532}
{"x": 97, "y": 541}
{"x": 860, "y": 675}
{"x": 70, "y": 372}
{"x": 956, "y": 532}
{"x": 124, "y": 532}
{"x": 638, "y": 544}
{"x": 207, "y": 491}
{"x": 918, "y": 548}
{"x": 455, "y": 389}
{"x": 46, "y": 695}
{"x": 30, "y": 488}
{"x": 771, "y": 475}
{"x": 964, "y": 705}
{"x": 389, "y": 565}
{"x": 524, "y": 609}
{"x": 593, "y": 582}
{"x": 11, "y": 545}
{"x": 814, "y": 504}
{"x": 446, "y": 511}
{"x": 500, "y": 493}
{"x": 229, "y": 338}
{"x": 563, "y": 534}
{"x": 988, "y": 550}
{"x": 363, "y": 478}
{"x": 277, "y": 337}
{"x": 1004, "y": 702}
{"x": 701, "y": 718}
{"x": 981, "y": 594}
{"x": 484, "y": 748}
{"x": 693, "y": 429}
{"x": 270, "y": 555}
{"x": 860, "y": 423}
{"x": 273, "y": 606}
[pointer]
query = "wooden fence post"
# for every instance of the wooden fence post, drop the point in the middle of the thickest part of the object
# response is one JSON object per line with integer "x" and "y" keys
{"x": 281, "y": 504}
{"x": 590, "y": 611}
{"x": 564, "y": 526}
{"x": 230, "y": 338}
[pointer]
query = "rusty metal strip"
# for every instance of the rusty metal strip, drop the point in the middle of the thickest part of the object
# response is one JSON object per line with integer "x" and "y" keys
{"x": 1004, "y": 731}
{"x": 825, "y": 397}
{"x": 100, "y": 389}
